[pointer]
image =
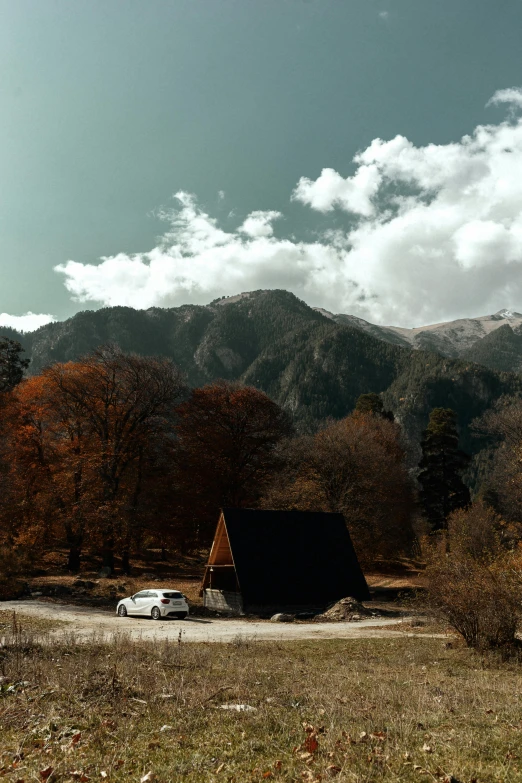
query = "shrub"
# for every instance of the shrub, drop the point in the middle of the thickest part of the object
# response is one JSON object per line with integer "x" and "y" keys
{"x": 480, "y": 601}
{"x": 14, "y": 562}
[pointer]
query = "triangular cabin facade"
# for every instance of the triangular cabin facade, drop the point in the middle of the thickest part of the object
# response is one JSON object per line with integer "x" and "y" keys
{"x": 263, "y": 560}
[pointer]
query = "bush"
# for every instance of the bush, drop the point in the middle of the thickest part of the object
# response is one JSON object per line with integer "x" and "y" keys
{"x": 14, "y": 563}
{"x": 480, "y": 601}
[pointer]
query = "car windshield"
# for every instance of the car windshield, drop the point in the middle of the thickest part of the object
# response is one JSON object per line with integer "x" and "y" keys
{"x": 173, "y": 595}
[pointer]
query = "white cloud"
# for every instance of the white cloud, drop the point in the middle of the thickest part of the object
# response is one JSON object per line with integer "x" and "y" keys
{"x": 196, "y": 261}
{"x": 330, "y": 190}
{"x": 259, "y": 223}
{"x": 511, "y": 96}
{"x": 384, "y": 14}
{"x": 433, "y": 232}
{"x": 26, "y": 323}
{"x": 221, "y": 195}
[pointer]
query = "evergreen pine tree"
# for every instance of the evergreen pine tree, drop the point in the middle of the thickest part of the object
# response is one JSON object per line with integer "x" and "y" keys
{"x": 12, "y": 365}
{"x": 372, "y": 403}
{"x": 442, "y": 465}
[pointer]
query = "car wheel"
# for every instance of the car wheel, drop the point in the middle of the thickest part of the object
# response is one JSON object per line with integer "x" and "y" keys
{"x": 181, "y": 615}
{"x": 155, "y": 614}
{"x": 122, "y": 611}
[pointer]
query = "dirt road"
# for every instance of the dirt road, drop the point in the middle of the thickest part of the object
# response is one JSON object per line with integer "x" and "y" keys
{"x": 86, "y": 622}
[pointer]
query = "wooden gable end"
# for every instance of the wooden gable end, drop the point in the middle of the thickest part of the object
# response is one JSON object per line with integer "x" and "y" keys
{"x": 221, "y": 554}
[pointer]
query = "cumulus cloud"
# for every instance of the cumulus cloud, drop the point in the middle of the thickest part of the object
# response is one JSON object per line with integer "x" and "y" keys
{"x": 26, "y": 323}
{"x": 511, "y": 96}
{"x": 197, "y": 261}
{"x": 432, "y": 232}
{"x": 259, "y": 224}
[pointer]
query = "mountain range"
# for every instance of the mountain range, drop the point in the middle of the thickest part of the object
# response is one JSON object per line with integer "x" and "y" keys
{"x": 314, "y": 363}
{"x": 492, "y": 340}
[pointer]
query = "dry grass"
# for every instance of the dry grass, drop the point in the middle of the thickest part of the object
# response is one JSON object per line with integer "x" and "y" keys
{"x": 375, "y": 710}
{"x": 12, "y": 623}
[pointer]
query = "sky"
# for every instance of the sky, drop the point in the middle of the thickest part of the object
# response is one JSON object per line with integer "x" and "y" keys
{"x": 364, "y": 154}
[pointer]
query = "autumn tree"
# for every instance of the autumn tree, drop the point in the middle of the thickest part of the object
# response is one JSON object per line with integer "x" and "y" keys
{"x": 356, "y": 467}
{"x": 441, "y": 468}
{"x": 502, "y": 484}
{"x": 12, "y": 368}
{"x": 228, "y": 449}
{"x": 87, "y": 436}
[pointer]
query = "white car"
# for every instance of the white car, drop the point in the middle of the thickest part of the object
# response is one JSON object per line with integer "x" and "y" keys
{"x": 155, "y": 603}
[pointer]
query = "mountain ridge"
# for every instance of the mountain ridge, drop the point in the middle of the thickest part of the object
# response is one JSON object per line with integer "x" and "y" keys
{"x": 449, "y": 338}
{"x": 306, "y": 360}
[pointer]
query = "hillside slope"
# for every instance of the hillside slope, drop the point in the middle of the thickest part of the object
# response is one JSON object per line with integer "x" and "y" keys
{"x": 477, "y": 339}
{"x": 311, "y": 363}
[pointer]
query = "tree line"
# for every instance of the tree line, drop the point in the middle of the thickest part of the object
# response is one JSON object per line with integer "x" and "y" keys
{"x": 114, "y": 452}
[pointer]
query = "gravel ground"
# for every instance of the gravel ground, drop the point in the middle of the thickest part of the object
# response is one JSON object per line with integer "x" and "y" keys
{"x": 85, "y": 622}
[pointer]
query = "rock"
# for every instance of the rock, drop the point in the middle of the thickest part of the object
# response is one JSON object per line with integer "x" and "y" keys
{"x": 61, "y": 590}
{"x": 105, "y": 572}
{"x": 282, "y": 617}
{"x": 345, "y": 610}
{"x": 37, "y": 594}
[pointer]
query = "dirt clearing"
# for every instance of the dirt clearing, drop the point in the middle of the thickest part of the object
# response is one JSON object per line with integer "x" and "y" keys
{"x": 84, "y": 622}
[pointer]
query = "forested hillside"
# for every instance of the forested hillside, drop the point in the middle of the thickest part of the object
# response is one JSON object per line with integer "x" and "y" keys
{"x": 314, "y": 366}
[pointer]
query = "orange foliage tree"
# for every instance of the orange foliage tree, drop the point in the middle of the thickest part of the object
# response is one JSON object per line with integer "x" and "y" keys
{"x": 85, "y": 440}
{"x": 356, "y": 467}
{"x": 228, "y": 450}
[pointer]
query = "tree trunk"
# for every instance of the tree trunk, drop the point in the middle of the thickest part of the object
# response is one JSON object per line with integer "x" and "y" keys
{"x": 108, "y": 555}
{"x": 75, "y": 542}
{"x": 125, "y": 562}
{"x": 74, "y": 558}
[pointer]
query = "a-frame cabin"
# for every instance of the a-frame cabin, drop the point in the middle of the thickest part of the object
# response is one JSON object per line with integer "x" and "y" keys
{"x": 278, "y": 559}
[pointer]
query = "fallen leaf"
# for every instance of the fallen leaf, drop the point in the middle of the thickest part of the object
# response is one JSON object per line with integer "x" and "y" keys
{"x": 333, "y": 770}
{"x": 238, "y": 707}
{"x": 311, "y": 744}
{"x": 148, "y": 777}
{"x": 267, "y": 775}
{"x": 46, "y": 773}
{"x": 103, "y": 773}
{"x": 166, "y": 727}
{"x": 76, "y": 738}
{"x": 427, "y": 748}
{"x": 278, "y": 764}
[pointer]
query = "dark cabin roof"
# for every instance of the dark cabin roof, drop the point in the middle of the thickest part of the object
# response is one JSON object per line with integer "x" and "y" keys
{"x": 293, "y": 557}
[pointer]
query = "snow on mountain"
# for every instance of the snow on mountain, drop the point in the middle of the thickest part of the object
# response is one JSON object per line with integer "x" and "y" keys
{"x": 450, "y": 338}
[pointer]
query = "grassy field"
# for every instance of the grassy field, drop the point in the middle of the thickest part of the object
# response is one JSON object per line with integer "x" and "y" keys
{"x": 370, "y": 710}
{"x": 12, "y": 625}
